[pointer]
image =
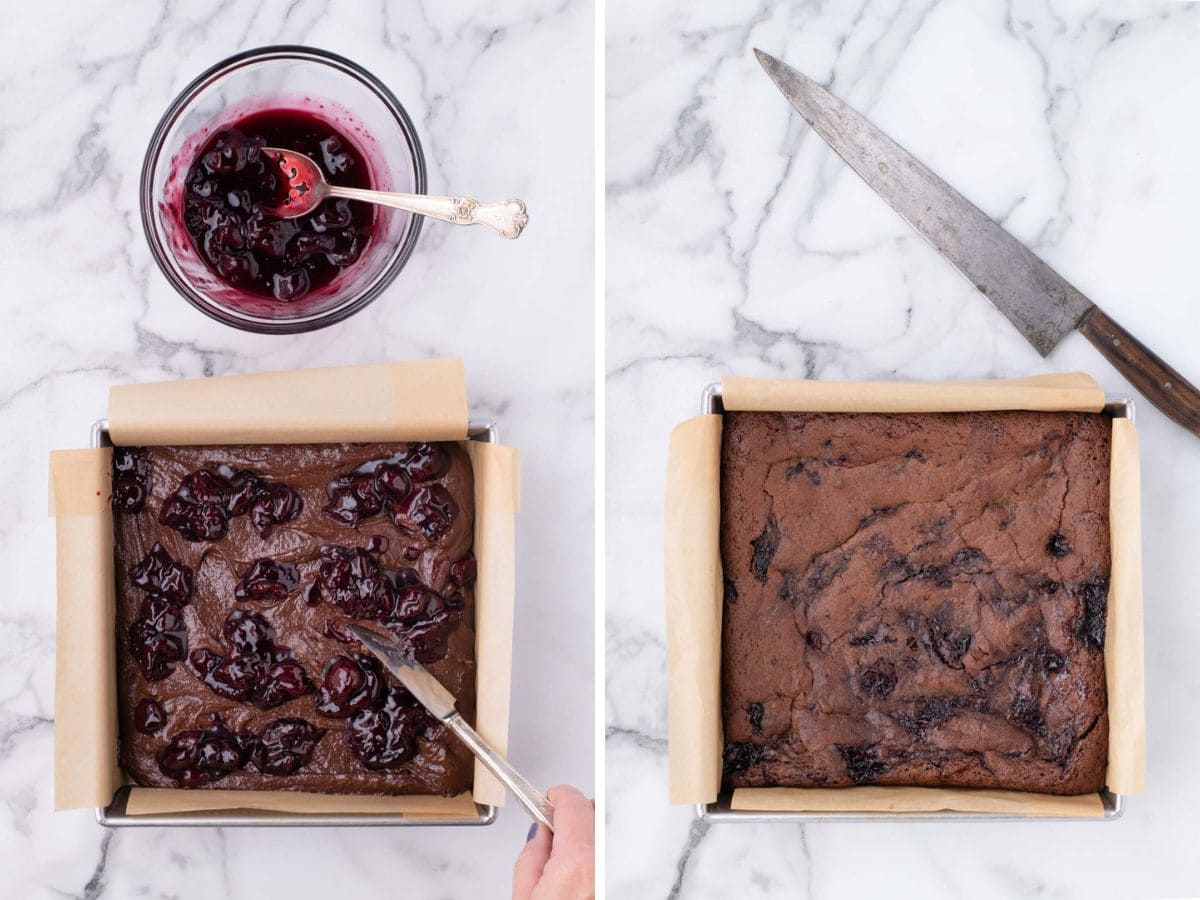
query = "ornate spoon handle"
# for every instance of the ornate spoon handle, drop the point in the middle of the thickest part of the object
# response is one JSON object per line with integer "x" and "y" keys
{"x": 507, "y": 219}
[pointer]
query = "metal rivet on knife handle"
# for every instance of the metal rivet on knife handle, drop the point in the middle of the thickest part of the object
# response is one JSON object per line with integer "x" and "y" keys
{"x": 1162, "y": 385}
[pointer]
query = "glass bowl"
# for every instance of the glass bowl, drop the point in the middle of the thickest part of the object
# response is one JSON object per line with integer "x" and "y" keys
{"x": 283, "y": 77}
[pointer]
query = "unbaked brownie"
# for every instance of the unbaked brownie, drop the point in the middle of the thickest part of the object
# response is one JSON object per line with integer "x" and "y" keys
{"x": 238, "y": 568}
{"x": 915, "y": 599}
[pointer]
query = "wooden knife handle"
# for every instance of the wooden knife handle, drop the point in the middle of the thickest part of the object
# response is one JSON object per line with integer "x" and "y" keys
{"x": 1173, "y": 394}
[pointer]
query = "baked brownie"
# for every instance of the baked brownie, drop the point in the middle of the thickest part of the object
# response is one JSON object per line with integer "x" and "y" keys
{"x": 238, "y": 568}
{"x": 915, "y": 600}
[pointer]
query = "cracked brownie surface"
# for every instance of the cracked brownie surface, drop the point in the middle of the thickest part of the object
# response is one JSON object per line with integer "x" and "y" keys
{"x": 915, "y": 599}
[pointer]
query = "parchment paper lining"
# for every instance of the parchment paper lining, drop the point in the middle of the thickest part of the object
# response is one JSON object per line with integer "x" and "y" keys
{"x": 407, "y": 401}
{"x": 1072, "y": 391}
{"x": 495, "y": 467}
{"x": 1124, "y": 653}
{"x": 155, "y": 801}
{"x": 86, "y": 771}
{"x": 912, "y": 800}
{"x": 694, "y": 594}
{"x": 693, "y": 560}
{"x": 85, "y": 681}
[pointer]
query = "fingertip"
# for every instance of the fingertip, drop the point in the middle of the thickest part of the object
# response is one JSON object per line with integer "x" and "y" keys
{"x": 564, "y": 793}
{"x": 574, "y": 815}
{"x": 531, "y": 861}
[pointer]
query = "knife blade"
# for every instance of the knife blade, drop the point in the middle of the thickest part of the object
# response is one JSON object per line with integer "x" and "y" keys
{"x": 433, "y": 695}
{"x": 1043, "y": 305}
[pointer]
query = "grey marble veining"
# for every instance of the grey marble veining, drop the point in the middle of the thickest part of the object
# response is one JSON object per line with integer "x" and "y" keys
{"x": 501, "y": 95}
{"x": 738, "y": 243}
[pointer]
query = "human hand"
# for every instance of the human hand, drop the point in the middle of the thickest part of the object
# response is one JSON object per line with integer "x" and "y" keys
{"x": 560, "y": 866}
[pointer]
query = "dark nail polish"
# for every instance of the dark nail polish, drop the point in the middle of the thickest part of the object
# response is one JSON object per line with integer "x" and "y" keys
{"x": 532, "y": 832}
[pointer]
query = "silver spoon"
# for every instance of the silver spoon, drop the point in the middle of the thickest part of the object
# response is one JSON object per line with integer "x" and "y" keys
{"x": 307, "y": 188}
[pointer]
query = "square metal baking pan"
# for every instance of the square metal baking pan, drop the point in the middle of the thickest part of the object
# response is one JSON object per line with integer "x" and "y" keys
{"x": 1119, "y": 407}
{"x": 115, "y": 816}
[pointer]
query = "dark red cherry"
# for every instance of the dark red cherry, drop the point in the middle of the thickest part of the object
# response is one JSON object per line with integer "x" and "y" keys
{"x": 377, "y": 483}
{"x": 343, "y": 507}
{"x": 130, "y": 479}
{"x": 332, "y": 216}
{"x": 237, "y": 267}
{"x": 377, "y": 544}
{"x": 204, "y": 660}
{"x": 267, "y": 581}
{"x": 463, "y": 572}
{"x": 205, "y": 501}
{"x": 430, "y": 638}
{"x": 343, "y": 678}
{"x": 347, "y": 247}
{"x": 285, "y": 746}
{"x": 242, "y": 486}
{"x": 426, "y": 621}
{"x": 149, "y": 716}
{"x": 425, "y": 461}
{"x": 129, "y": 496}
{"x": 255, "y": 670}
{"x": 350, "y": 685}
{"x": 269, "y": 236}
{"x": 430, "y": 509}
{"x": 195, "y": 521}
{"x": 366, "y": 502}
{"x": 352, "y": 498}
{"x": 181, "y": 754}
{"x": 386, "y": 738}
{"x": 248, "y": 632}
{"x": 392, "y": 482}
{"x": 160, "y": 575}
{"x": 335, "y": 632}
{"x": 274, "y": 504}
{"x": 290, "y": 677}
{"x": 158, "y": 638}
{"x": 286, "y": 680}
{"x": 289, "y": 285}
{"x": 194, "y": 758}
{"x": 354, "y": 582}
{"x": 363, "y": 485}
{"x": 402, "y": 579}
{"x": 413, "y": 602}
{"x": 307, "y": 245}
{"x": 130, "y": 461}
{"x": 234, "y": 677}
{"x": 338, "y": 159}
{"x": 204, "y": 487}
{"x": 191, "y": 778}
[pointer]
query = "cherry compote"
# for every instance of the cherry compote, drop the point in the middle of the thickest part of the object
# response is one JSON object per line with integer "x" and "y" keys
{"x": 232, "y": 185}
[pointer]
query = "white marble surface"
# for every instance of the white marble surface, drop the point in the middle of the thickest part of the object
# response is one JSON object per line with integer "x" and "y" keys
{"x": 501, "y": 94}
{"x": 738, "y": 243}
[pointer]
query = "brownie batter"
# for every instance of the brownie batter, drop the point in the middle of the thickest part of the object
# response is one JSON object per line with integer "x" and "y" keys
{"x": 298, "y": 541}
{"x": 915, "y": 600}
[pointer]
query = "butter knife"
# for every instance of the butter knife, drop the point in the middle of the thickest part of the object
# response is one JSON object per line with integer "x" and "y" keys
{"x": 1043, "y": 305}
{"x": 440, "y": 702}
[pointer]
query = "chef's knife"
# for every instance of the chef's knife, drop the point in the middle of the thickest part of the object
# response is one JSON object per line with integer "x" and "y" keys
{"x": 1035, "y": 298}
{"x": 440, "y": 702}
